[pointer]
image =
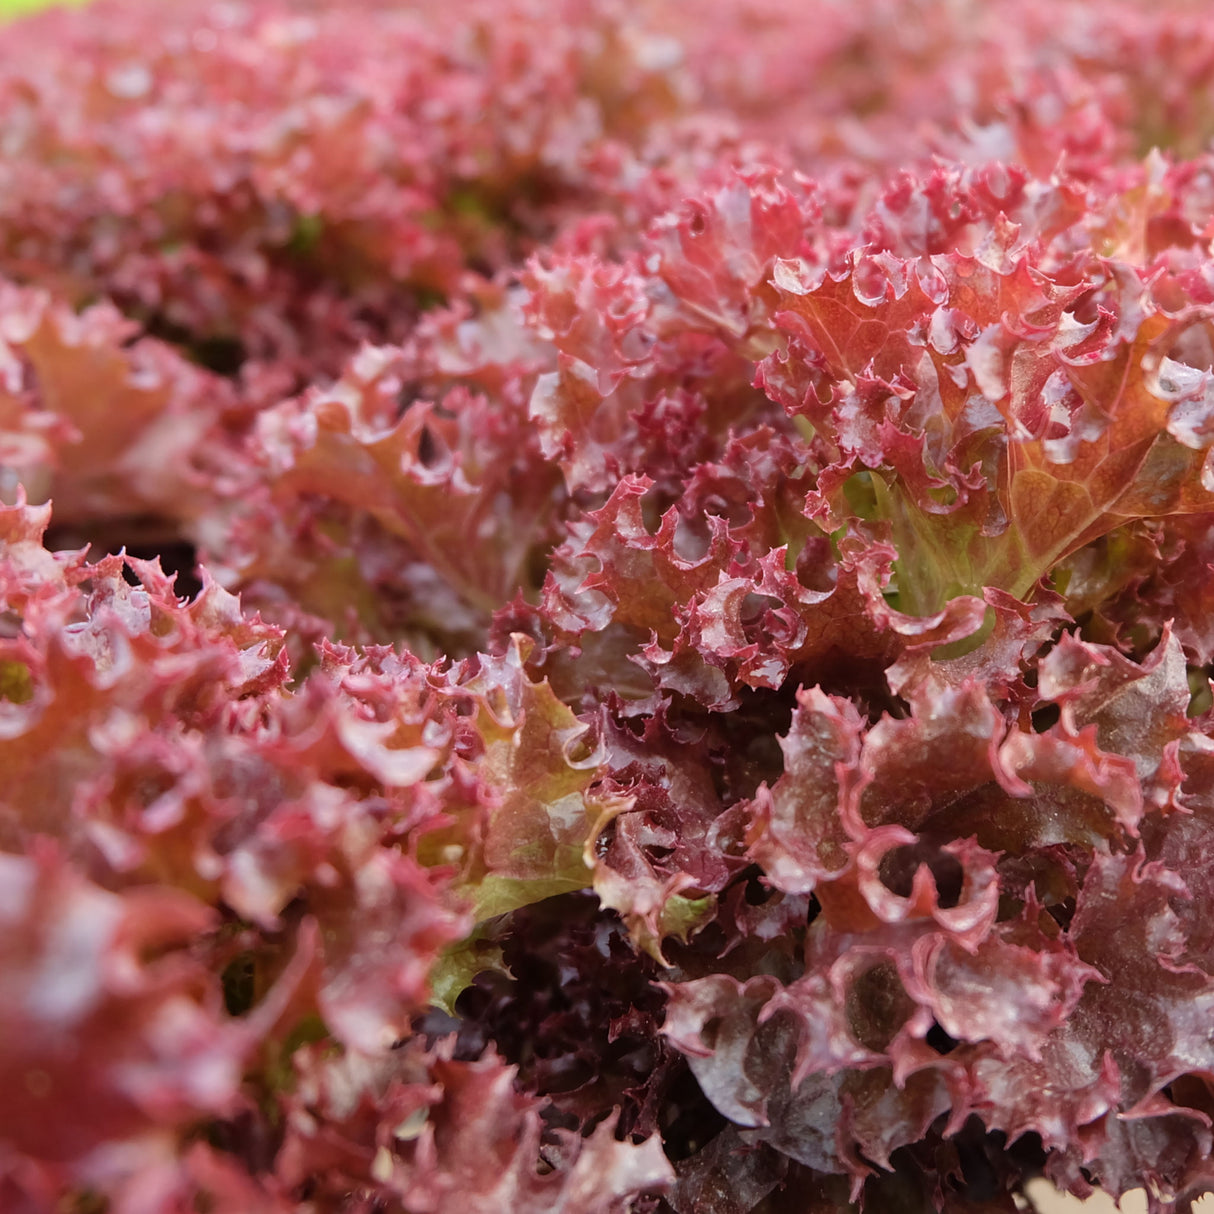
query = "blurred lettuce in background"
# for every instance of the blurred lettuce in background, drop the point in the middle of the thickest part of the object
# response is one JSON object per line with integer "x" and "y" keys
{"x": 14, "y": 8}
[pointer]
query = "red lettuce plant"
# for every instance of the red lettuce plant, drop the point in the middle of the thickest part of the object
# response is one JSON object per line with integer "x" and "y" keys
{"x": 605, "y": 608}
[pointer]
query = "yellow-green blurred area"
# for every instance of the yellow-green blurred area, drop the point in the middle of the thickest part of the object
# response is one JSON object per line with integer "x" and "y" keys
{"x": 14, "y": 8}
